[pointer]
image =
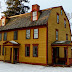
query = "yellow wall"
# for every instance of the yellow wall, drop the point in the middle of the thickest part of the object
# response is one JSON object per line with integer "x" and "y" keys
{"x": 22, "y": 40}
{"x": 52, "y": 26}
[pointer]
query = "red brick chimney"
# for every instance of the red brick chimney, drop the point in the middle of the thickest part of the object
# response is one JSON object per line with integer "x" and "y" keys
{"x": 35, "y": 7}
{"x": 35, "y": 12}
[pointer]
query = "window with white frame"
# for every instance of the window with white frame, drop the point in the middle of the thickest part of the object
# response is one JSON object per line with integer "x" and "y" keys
{"x": 27, "y": 34}
{"x": 35, "y": 33}
{"x": 56, "y": 34}
{"x": 65, "y": 23}
{"x": 34, "y": 15}
{"x": 57, "y": 18}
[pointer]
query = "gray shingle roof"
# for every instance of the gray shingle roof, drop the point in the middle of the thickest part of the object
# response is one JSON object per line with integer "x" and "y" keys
{"x": 25, "y": 21}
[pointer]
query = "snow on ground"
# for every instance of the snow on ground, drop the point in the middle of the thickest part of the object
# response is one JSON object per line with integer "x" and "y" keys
{"x": 7, "y": 67}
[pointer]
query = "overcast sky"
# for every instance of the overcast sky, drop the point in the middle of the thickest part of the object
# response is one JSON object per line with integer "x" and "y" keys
{"x": 44, "y": 4}
{"x": 67, "y": 4}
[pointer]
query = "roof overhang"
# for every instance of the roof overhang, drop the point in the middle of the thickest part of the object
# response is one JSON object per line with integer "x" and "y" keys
{"x": 61, "y": 43}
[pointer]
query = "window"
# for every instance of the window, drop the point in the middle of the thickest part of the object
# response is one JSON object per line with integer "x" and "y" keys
{"x": 56, "y": 34}
{"x": 3, "y": 51}
{"x": 34, "y": 15}
{"x": 65, "y": 23}
{"x": 27, "y": 34}
{"x": 0, "y": 36}
{"x": 57, "y": 18}
{"x": 66, "y": 36}
{"x": 35, "y": 33}
{"x": 35, "y": 50}
{"x": 5, "y": 36}
{"x": 61, "y": 11}
{"x": 15, "y": 35}
{"x": 0, "y": 50}
{"x": 27, "y": 50}
{"x": 3, "y": 22}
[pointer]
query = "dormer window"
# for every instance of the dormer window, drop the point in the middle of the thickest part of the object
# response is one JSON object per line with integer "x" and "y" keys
{"x": 34, "y": 15}
{"x": 3, "y": 22}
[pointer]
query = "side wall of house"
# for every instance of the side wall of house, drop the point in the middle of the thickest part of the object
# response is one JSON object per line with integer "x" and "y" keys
{"x": 41, "y": 41}
{"x": 62, "y": 31}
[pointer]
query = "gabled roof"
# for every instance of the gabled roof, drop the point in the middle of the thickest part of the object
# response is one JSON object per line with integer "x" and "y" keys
{"x": 11, "y": 42}
{"x": 24, "y": 20}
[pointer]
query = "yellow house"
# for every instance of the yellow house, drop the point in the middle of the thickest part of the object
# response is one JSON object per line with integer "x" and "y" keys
{"x": 41, "y": 37}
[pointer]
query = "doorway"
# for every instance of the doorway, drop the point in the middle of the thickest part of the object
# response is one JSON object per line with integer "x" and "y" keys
{"x": 16, "y": 55}
{"x": 55, "y": 55}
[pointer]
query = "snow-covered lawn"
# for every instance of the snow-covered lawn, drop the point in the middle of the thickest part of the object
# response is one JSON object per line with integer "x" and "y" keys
{"x": 7, "y": 67}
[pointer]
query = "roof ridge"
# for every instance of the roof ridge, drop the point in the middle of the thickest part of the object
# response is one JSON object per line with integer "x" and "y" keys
{"x": 19, "y": 15}
{"x": 30, "y": 12}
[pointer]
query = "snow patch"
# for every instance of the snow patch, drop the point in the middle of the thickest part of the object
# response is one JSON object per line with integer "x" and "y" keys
{"x": 8, "y": 67}
{"x": 13, "y": 42}
{"x": 60, "y": 42}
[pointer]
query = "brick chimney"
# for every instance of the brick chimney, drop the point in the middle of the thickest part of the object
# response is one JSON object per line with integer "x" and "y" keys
{"x": 35, "y": 12}
{"x": 35, "y": 7}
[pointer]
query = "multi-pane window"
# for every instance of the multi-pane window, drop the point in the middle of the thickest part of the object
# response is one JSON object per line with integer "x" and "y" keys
{"x": 15, "y": 35}
{"x": 57, "y": 18}
{"x": 61, "y": 11}
{"x": 27, "y": 34}
{"x": 0, "y": 36}
{"x": 66, "y": 36}
{"x": 65, "y": 23}
{"x": 3, "y": 51}
{"x": 35, "y": 50}
{"x": 35, "y": 33}
{"x": 56, "y": 34}
{"x": 0, "y": 50}
{"x": 5, "y": 36}
{"x": 27, "y": 50}
{"x": 34, "y": 15}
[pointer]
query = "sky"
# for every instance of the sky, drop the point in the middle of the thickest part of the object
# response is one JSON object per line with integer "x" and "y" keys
{"x": 44, "y": 4}
{"x": 67, "y": 4}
